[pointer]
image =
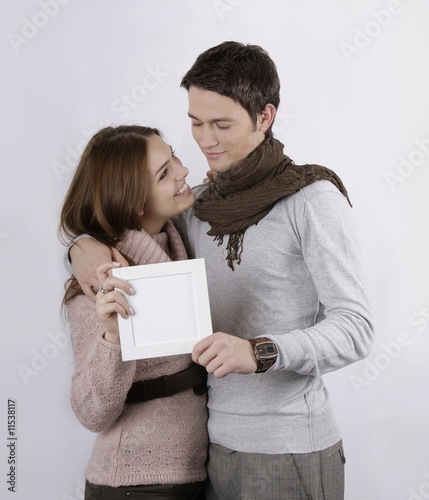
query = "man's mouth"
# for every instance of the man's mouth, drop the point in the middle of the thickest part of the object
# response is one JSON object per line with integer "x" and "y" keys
{"x": 213, "y": 156}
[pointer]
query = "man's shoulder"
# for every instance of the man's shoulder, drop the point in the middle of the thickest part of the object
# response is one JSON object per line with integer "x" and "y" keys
{"x": 199, "y": 188}
{"x": 320, "y": 199}
{"x": 321, "y": 188}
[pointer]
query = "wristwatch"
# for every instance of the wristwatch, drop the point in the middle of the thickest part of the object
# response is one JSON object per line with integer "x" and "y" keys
{"x": 266, "y": 353}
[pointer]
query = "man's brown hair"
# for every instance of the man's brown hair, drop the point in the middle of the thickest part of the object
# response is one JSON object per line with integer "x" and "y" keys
{"x": 244, "y": 73}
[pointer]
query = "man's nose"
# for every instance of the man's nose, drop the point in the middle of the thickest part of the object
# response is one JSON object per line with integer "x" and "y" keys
{"x": 208, "y": 138}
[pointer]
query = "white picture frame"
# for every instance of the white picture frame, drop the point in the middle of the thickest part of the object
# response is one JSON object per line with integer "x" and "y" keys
{"x": 171, "y": 309}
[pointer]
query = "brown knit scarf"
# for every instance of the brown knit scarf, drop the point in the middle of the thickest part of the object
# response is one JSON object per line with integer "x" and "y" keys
{"x": 246, "y": 193}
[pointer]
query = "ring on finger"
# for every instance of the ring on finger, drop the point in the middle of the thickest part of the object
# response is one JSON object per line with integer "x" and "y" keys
{"x": 104, "y": 291}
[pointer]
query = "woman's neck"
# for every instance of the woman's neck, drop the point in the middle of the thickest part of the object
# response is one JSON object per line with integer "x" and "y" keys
{"x": 152, "y": 226}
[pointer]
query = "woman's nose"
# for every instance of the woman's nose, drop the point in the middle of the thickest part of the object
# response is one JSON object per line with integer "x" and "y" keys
{"x": 181, "y": 172}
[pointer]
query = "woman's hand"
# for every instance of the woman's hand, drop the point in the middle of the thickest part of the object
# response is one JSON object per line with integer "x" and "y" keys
{"x": 110, "y": 301}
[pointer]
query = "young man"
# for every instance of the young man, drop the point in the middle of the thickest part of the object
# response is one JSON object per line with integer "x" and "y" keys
{"x": 287, "y": 297}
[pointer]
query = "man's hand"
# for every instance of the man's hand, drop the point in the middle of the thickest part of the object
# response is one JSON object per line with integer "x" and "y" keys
{"x": 222, "y": 354}
{"x": 86, "y": 256}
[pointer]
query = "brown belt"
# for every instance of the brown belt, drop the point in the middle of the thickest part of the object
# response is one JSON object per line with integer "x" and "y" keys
{"x": 195, "y": 376}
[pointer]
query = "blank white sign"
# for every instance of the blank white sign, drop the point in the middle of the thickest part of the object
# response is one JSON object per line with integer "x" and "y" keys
{"x": 166, "y": 305}
{"x": 171, "y": 309}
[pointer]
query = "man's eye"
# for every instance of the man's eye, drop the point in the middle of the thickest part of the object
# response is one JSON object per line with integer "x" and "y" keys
{"x": 224, "y": 128}
{"x": 196, "y": 124}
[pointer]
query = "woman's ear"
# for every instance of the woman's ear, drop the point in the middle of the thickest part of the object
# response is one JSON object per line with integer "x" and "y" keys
{"x": 267, "y": 117}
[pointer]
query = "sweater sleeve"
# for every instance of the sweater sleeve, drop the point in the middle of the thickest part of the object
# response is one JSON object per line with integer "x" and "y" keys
{"x": 101, "y": 379}
{"x": 326, "y": 229}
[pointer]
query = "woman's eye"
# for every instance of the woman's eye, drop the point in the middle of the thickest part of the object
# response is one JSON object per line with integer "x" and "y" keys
{"x": 163, "y": 175}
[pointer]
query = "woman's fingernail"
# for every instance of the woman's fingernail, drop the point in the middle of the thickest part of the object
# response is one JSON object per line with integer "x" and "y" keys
{"x": 116, "y": 263}
{"x": 132, "y": 292}
{"x": 131, "y": 311}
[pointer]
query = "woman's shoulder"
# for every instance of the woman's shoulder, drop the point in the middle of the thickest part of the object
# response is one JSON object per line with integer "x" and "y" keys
{"x": 78, "y": 307}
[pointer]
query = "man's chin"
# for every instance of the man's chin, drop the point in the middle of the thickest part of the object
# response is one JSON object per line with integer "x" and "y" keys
{"x": 219, "y": 167}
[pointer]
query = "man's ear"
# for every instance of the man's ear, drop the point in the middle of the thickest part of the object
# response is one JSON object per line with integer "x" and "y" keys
{"x": 267, "y": 117}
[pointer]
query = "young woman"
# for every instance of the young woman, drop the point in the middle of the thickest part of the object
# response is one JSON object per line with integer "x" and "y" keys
{"x": 149, "y": 444}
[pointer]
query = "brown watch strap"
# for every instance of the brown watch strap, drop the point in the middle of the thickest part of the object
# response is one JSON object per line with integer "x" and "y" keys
{"x": 262, "y": 365}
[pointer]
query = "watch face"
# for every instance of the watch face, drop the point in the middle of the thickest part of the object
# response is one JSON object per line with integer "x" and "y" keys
{"x": 267, "y": 350}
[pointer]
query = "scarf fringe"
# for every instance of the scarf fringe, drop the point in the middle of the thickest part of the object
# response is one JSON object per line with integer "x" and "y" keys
{"x": 234, "y": 247}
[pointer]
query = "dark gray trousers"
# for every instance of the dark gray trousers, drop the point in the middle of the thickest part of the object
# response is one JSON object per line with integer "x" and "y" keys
{"x": 252, "y": 476}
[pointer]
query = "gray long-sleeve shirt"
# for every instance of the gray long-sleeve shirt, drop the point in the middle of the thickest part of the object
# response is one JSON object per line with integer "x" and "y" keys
{"x": 299, "y": 283}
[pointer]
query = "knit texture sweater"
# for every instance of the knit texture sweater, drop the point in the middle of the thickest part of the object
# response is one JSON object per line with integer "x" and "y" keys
{"x": 300, "y": 283}
{"x": 162, "y": 441}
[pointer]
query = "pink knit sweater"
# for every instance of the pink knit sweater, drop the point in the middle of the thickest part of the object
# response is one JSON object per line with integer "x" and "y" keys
{"x": 162, "y": 441}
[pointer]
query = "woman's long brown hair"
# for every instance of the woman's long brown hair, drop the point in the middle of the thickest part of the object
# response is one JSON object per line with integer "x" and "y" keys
{"x": 108, "y": 191}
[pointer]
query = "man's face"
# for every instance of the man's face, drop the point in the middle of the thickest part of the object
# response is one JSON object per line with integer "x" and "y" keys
{"x": 222, "y": 129}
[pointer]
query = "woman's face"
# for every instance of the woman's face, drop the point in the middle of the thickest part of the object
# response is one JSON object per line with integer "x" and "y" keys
{"x": 168, "y": 194}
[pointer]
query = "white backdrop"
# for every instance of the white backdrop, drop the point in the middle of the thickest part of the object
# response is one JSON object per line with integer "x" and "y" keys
{"x": 355, "y": 86}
